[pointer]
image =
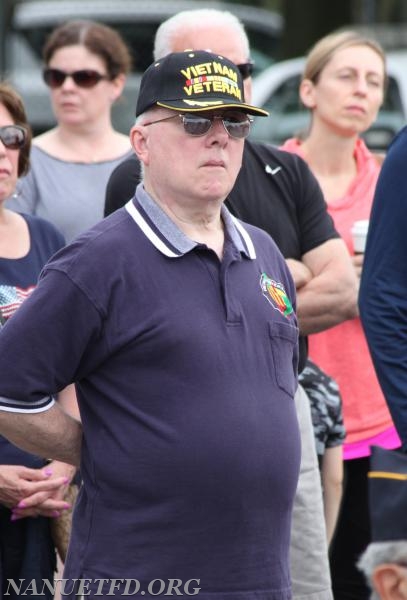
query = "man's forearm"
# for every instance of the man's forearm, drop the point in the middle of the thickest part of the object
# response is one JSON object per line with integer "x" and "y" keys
{"x": 330, "y": 296}
{"x": 51, "y": 434}
{"x": 324, "y": 304}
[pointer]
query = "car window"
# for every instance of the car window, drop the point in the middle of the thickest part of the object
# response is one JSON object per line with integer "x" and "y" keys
{"x": 392, "y": 100}
{"x": 285, "y": 99}
{"x": 287, "y": 118}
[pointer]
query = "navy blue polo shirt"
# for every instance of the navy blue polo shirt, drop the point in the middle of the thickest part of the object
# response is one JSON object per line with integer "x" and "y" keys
{"x": 186, "y": 369}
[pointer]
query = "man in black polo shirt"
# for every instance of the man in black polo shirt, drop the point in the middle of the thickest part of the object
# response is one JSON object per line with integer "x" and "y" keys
{"x": 276, "y": 191}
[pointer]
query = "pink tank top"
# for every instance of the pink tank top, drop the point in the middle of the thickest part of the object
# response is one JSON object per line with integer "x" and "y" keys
{"x": 342, "y": 351}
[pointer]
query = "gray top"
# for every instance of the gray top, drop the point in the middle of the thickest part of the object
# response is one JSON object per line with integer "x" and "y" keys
{"x": 71, "y": 195}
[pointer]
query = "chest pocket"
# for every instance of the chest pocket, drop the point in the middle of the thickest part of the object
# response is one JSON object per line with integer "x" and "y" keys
{"x": 284, "y": 350}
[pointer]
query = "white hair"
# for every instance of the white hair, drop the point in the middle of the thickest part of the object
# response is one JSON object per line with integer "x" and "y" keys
{"x": 378, "y": 553}
{"x": 146, "y": 115}
{"x": 196, "y": 19}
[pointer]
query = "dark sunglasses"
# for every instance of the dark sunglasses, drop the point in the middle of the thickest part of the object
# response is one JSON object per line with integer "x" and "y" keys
{"x": 236, "y": 125}
{"x": 85, "y": 78}
{"x": 13, "y": 137}
{"x": 246, "y": 69}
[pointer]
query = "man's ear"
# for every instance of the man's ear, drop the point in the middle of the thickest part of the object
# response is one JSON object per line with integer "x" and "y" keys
{"x": 390, "y": 581}
{"x": 307, "y": 92}
{"x": 139, "y": 141}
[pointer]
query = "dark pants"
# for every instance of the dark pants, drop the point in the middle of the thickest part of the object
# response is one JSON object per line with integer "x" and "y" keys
{"x": 26, "y": 552}
{"x": 352, "y": 534}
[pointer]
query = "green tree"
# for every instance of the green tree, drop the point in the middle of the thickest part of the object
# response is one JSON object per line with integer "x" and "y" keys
{"x": 306, "y": 22}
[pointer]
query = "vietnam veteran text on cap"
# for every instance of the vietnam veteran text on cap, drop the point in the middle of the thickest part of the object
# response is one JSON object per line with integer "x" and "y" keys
{"x": 193, "y": 81}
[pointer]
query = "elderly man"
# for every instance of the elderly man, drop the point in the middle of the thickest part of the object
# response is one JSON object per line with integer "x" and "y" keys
{"x": 384, "y": 562}
{"x": 176, "y": 322}
{"x": 276, "y": 191}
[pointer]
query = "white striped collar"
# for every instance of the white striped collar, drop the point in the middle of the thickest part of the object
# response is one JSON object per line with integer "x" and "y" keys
{"x": 168, "y": 238}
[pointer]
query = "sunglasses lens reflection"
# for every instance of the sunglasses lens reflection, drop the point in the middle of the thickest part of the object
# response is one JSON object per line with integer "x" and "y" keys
{"x": 237, "y": 127}
{"x": 196, "y": 125}
{"x": 12, "y": 137}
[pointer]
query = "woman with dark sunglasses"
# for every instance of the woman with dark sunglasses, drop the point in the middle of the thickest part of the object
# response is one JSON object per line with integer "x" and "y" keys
{"x": 85, "y": 69}
{"x": 30, "y": 491}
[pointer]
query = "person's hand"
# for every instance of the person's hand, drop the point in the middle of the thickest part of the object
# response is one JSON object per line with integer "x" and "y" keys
{"x": 49, "y": 502}
{"x": 18, "y": 482}
{"x": 357, "y": 261}
{"x": 299, "y": 272}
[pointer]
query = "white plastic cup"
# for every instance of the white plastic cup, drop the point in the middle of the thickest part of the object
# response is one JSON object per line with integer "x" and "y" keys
{"x": 359, "y": 235}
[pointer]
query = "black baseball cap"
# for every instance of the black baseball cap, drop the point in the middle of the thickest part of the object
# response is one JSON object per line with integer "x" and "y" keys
{"x": 193, "y": 81}
{"x": 388, "y": 495}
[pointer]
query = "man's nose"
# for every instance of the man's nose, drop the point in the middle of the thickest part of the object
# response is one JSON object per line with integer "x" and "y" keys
{"x": 218, "y": 129}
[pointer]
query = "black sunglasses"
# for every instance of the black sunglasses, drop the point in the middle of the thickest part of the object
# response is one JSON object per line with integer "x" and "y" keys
{"x": 13, "y": 137}
{"x": 237, "y": 125}
{"x": 246, "y": 69}
{"x": 85, "y": 78}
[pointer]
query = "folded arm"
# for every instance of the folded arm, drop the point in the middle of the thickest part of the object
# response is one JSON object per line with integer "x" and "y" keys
{"x": 328, "y": 295}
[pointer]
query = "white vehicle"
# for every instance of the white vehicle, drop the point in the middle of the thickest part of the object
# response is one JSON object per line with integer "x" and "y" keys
{"x": 31, "y": 21}
{"x": 276, "y": 90}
